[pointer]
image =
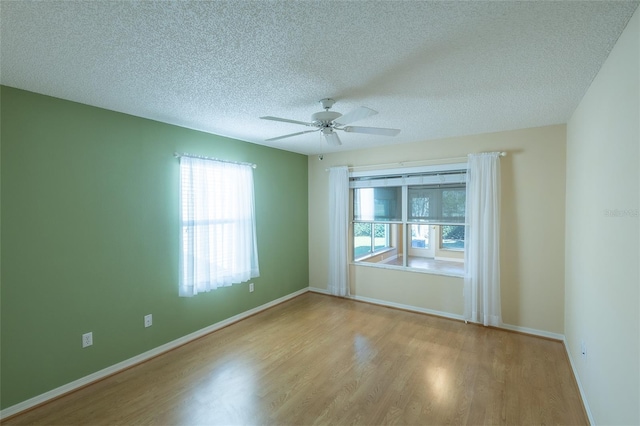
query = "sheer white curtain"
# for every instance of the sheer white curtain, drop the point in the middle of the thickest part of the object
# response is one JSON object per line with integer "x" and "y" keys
{"x": 338, "y": 230}
{"x": 482, "y": 240}
{"x": 218, "y": 232}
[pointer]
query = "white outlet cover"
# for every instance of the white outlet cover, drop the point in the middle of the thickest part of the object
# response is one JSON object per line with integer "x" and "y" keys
{"x": 148, "y": 320}
{"x": 87, "y": 339}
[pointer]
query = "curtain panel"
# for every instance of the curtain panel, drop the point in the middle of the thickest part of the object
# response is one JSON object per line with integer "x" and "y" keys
{"x": 338, "y": 231}
{"x": 218, "y": 226}
{"x": 482, "y": 245}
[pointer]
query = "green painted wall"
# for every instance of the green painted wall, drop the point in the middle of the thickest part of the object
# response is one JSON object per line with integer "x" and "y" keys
{"x": 90, "y": 238}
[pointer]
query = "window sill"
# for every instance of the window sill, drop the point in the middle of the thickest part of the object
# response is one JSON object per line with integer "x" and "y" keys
{"x": 410, "y": 269}
{"x": 374, "y": 254}
{"x": 450, "y": 259}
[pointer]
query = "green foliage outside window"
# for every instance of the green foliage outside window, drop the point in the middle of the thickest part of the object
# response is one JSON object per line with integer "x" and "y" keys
{"x": 452, "y": 232}
{"x": 453, "y": 237}
{"x": 364, "y": 242}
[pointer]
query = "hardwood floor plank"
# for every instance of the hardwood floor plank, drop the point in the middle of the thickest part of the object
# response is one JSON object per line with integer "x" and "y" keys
{"x": 323, "y": 360}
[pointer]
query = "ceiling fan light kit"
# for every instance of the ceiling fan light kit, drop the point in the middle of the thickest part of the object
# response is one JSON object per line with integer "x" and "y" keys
{"x": 327, "y": 122}
{"x": 324, "y": 118}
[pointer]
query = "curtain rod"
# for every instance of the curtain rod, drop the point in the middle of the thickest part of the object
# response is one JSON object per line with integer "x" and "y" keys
{"x": 404, "y": 163}
{"x": 184, "y": 154}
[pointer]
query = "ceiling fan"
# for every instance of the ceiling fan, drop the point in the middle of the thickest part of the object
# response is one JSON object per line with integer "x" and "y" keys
{"x": 327, "y": 122}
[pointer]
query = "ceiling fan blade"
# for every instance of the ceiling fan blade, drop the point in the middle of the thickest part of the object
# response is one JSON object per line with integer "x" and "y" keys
{"x": 372, "y": 130}
{"x": 290, "y": 135}
{"x": 355, "y": 115}
{"x": 332, "y": 138}
{"x": 286, "y": 120}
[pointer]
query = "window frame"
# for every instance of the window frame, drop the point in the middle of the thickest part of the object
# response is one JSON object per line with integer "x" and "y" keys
{"x": 451, "y": 175}
{"x": 218, "y": 240}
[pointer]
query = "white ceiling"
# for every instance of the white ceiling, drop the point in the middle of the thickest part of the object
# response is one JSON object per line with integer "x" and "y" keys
{"x": 431, "y": 69}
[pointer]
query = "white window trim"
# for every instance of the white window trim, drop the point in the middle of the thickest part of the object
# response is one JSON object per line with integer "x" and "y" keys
{"x": 401, "y": 171}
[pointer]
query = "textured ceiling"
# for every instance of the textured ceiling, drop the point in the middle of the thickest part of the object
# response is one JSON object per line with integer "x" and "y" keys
{"x": 431, "y": 69}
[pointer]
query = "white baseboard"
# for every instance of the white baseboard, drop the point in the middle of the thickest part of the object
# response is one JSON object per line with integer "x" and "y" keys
{"x": 395, "y": 305}
{"x": 98, "y": 375}
{"x": 408, "y": 307}
{"x": 412, "y": 308}
{"x": 533, "y": 331}
{"x": 585, "y": 403}
{"x": 319, "y": 290}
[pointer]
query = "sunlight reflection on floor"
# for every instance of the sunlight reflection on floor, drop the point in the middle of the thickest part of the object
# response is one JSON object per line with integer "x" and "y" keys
{"x": 228, "y": 394}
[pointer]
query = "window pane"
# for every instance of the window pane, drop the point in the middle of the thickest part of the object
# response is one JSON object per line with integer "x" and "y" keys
{"x": 453, "y": 205}
{"x": 436, "y": 204}
{"x": 376, "y": 242}
{"x": 452, "y": 237}
{"x": 423, "y": 203}
{"x": 380, "y": 204}
{"x": 420, "y": 236}
{"x": 381, "y": 236}
{"x": 361, "y": 239}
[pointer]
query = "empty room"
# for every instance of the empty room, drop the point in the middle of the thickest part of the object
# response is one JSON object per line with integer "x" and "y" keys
{"x": 319, "y": 212}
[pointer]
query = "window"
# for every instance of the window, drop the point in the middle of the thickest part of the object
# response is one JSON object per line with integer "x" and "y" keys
{"x": 373, "y": 210}
{"x": 370, "y": 238}
{"x": 218, "y": 238}
{"x": 410, "y": 219}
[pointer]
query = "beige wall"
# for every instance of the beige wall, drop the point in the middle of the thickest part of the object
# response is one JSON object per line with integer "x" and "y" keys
{"x": 533, "y": 185}
{"x": 602, "y": 276}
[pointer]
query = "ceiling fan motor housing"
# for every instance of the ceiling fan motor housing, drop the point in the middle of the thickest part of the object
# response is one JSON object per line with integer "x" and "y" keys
{"x": 325, "y": 122}
{"x": 324, "y": 118}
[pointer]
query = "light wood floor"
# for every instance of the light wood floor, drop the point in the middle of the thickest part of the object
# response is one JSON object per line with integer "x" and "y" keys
{"x": 322, "y": 360}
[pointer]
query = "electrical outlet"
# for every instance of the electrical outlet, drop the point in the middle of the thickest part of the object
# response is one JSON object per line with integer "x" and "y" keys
{"x": 148, "y": 320}
{"x": 250, "y": 287}
{"x": 87, "y": 339}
